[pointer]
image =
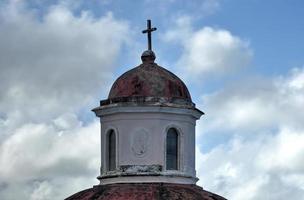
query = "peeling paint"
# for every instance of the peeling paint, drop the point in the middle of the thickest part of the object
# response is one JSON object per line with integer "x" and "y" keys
{"x": 141, "y": 168}
{"x": 145, "y": 191}
{"x": 149, "y": 79}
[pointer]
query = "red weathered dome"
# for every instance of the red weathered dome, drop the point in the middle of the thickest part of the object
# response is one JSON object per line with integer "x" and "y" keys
{"x": 143, "y": 191}
{"x": 149, "y": 80}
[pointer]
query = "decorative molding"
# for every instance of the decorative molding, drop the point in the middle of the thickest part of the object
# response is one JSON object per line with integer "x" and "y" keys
{"x": 148, "y": 109}
{"x": 140, "y": 142}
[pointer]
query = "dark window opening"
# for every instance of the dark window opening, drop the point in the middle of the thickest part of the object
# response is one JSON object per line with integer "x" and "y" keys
{"x": 111, "y": 151}
{"x": 172, "y": 150}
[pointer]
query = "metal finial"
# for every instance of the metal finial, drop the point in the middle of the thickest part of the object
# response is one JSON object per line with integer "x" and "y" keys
{"x": 149, "y": 30}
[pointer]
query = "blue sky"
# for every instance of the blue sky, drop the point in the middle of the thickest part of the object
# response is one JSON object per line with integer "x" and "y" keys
{"x": 241, "y": 60}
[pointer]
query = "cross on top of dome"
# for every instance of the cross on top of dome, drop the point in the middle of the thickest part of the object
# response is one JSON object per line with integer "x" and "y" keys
{"x": 149, "y": 30}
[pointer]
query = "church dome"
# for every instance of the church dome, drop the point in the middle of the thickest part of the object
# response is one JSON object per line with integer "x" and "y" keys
{"x": 149, "y": 80}
{"x": 140, "y": 191}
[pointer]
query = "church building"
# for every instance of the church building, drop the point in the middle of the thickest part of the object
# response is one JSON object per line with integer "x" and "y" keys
{"x": 147, "y": 137}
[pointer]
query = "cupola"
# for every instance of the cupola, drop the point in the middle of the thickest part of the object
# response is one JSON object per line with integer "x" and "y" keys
{"x": 147, "y": 137}
{"x": 148, "y": 127}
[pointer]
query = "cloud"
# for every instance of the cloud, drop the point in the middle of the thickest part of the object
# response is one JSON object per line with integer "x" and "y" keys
{"x": 43, "y": 159}
{"x": 256, "y": 169}
{"x": 263, "y": 157}
{"x": 286, "y": 153}
{"x": 60, "y": 59}
{"x": 257, "y": 104}
{"x": 208, "y": 51}
{"x": 52, "y": 65}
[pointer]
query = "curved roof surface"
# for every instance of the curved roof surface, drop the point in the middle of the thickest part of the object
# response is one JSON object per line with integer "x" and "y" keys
{"x": 149, "y": 80}
{"x": 145, "y": 191}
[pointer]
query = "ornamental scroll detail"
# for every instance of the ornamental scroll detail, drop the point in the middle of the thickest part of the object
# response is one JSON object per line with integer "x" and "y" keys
{"x": 140, "y": 142}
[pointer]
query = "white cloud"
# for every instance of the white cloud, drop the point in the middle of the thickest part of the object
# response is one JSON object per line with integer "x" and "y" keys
{"x": 285, "y": 153}
{"x": 256, "y": 169}
{"x": 57, "y": 61}
{"x": 52, "y": 65}
{"x": 44, "y": 158}
{"x": 208, "y": 50}
{"x": 256, "y": 104}
{"x": 264, "y": 155}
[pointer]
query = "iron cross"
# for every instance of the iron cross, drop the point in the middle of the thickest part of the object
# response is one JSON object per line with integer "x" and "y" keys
{"x": 149, "y": 30}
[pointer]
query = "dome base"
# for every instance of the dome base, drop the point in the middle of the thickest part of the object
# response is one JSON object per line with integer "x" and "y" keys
{"x": 140, "y": 191}
{"x": 176, "y": 178}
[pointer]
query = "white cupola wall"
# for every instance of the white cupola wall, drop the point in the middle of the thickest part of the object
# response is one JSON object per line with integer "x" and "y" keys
{"x": 147, "y": 144}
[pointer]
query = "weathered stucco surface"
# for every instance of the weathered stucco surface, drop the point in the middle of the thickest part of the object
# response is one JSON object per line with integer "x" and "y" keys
{"x": 145, "y": 191}
{"x": 141, "y": 143}
{"x": 149, "y": 79}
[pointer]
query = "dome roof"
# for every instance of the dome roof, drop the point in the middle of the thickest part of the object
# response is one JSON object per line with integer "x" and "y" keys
{"x": 149, "y": 80}
{"x": 140, "y": 191}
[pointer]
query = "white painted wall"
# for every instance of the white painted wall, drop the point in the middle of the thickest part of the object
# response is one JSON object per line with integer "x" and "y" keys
{"x": 141, "y": 141}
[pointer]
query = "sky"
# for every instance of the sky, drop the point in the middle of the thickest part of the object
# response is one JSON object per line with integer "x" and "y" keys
{"x": 241, "y": 60}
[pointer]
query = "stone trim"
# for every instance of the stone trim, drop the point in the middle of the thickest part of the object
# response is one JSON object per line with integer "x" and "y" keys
{"x": 144, "y": 171}
{"x": 101, "y": 111}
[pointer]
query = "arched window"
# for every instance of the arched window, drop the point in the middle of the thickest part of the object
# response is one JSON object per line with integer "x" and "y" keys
{"x": 111, "y": 151}
{"x": 172, "y": 150}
